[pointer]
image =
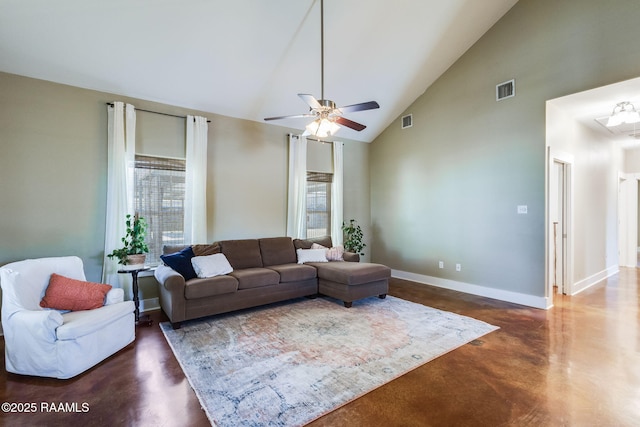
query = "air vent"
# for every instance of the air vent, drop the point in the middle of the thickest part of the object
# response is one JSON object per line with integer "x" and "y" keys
{"x": 407, "y": 121}
{"x": 506, "y": 90}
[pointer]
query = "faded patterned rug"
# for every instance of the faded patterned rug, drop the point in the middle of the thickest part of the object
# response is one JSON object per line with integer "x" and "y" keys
{"x": 288, "y": 364}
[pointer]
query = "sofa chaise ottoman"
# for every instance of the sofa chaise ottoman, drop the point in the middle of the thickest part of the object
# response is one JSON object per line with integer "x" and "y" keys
{"x": 348, "y": 281}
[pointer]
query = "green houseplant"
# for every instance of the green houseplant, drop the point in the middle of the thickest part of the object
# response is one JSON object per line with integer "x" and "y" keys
{"x": 135, "y": 248}
{"x": 353, "y": 237}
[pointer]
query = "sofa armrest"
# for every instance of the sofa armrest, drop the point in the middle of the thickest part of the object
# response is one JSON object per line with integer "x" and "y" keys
{"x": 170, "y": 279}
{"x": 114, "y": 296}
{"x": 31, "y": 337}
{"x": 351, "y": 256}
{"x": 171, "y": 292}
{"x": 37, "y": 325}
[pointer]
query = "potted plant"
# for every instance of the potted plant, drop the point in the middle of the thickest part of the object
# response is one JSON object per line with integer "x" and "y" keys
{"x": 132, "y": 254}
{"x": 353, "y": 237}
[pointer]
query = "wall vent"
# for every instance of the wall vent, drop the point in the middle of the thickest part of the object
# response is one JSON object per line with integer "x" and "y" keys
{"x": 407, "y": 121}
{"x": 506, "y": 90}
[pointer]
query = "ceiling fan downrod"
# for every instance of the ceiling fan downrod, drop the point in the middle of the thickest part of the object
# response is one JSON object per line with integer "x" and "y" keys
{"x": 321, "y": 50}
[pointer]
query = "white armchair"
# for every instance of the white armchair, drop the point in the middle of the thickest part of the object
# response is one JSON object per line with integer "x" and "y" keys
{"x": 51, "y": 343}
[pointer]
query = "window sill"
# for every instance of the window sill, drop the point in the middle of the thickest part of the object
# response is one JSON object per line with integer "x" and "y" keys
{"x": 148, "y": 273}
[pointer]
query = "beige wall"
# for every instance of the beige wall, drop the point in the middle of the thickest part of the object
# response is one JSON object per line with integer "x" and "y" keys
{"x": 447, "y": 188}
{"x": 53, "y": 172}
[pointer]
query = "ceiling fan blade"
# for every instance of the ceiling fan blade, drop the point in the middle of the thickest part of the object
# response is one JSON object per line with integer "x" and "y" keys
{"x": 310, "y": 100}
{"x": 295, "y": 116}
{"x": 350, "y": 124}
{"x": 371, "y": 105}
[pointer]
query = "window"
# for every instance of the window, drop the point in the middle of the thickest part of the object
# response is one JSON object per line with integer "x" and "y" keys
{"x": 159, "y": 190}
{"x": 318, "y": 204}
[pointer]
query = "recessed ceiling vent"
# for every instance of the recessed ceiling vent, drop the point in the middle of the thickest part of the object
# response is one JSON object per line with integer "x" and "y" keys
{"x": 407, "y": 121}
{"x": 506, "y": 90}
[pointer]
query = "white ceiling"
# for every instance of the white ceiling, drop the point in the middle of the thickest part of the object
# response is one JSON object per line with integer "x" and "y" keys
{"x": 246, "y": 58}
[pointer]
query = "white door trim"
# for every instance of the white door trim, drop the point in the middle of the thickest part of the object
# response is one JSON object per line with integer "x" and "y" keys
{"x": 567, "y": 159}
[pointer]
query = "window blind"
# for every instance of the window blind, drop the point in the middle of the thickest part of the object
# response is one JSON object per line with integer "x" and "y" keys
{"x": 159, "y": 190}
{"x": 318, "y": 204}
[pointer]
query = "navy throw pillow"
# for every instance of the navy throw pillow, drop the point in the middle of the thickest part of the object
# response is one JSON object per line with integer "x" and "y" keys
{"x": 181, "y": 262}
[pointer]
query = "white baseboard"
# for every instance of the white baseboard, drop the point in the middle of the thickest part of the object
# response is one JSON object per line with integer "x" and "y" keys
{"x": 583, "y": 284}
{"x": 149, "y": 304}
{"x": 483, "y": 291}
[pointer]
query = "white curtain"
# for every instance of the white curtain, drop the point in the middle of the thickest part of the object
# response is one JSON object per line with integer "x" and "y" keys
{"x": 337, "y": 195}
{"x": 195, "y": 203}
{"x": 297, "y": 193}
{"x": 121, "y": 142}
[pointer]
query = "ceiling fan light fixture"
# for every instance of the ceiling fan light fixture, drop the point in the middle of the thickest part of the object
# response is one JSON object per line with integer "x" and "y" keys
{"x": 322, "y": 128}
{"x": 623, "y": 112}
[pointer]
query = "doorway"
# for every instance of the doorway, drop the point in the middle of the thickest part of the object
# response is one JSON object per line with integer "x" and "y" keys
{"x": 628, "y": 221}
{"x": 559, "y": 274}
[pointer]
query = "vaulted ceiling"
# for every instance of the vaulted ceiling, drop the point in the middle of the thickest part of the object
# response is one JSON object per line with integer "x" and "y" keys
{"x": 246, "y": 58}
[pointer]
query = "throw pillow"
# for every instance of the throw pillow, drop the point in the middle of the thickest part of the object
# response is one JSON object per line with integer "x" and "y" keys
{"x": 181, "y": 262}
{"x": 311, "y": 255}
{"x": 333, "y": 254}
{"x": 211, "y": 265}
{"x": 64, "y": 293}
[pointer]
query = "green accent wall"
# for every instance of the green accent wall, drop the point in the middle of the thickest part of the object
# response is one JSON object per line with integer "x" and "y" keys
{"x": 447, "y": 189}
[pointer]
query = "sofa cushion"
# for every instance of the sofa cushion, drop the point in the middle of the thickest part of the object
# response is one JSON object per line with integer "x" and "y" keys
{"x": 294, "y": 272}
{"x": 204, "y": 250}
{"x": 242, "y": 253}
{"x": 171, "y": 249}
{"x": 77, "y": 324}
{"x": 307, "y": 243}
{"x": 181, "y": 262}
{"x": 352, "y": 273}
{"x": 200, "y": 288}
{"x": 277, "y": 250}
{"x": 255, "y": 277}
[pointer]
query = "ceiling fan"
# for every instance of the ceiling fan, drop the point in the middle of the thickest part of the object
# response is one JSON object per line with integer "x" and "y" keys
{"x": 327, "y": 117}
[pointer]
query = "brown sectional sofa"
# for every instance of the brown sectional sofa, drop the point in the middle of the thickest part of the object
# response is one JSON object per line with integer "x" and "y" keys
{"x": 264, "y": 271}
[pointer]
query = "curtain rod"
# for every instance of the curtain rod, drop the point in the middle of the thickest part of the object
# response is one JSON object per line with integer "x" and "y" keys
{"x": 157, "y": 112}
{"x": 313, "y": 139}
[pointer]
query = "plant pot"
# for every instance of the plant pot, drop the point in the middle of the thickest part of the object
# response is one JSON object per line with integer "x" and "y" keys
{"x": 135, "y": 261}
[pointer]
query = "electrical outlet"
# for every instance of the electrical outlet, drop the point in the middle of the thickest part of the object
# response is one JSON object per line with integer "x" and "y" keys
{"x": 458, "y": 267}
{"x": 522, "y": 209}
{"x": 441, "y": 264}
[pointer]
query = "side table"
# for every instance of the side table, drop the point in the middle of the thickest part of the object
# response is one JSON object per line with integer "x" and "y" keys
{"x": 143, "y": 320}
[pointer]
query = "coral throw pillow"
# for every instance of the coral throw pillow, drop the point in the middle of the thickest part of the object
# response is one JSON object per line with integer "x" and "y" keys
{"x": 64, "y": 293}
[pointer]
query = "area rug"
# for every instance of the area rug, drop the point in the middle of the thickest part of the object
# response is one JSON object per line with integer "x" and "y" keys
{"x": 288, "y": 364}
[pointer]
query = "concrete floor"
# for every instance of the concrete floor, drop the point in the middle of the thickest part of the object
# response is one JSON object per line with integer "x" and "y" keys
{"x": 577, "y": 364}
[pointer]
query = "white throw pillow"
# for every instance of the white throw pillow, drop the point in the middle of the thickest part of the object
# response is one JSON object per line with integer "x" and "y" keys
{"x": 311, "y": 255}
{"x": 333, "y": 254}
{"x": 211, "y": 265}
